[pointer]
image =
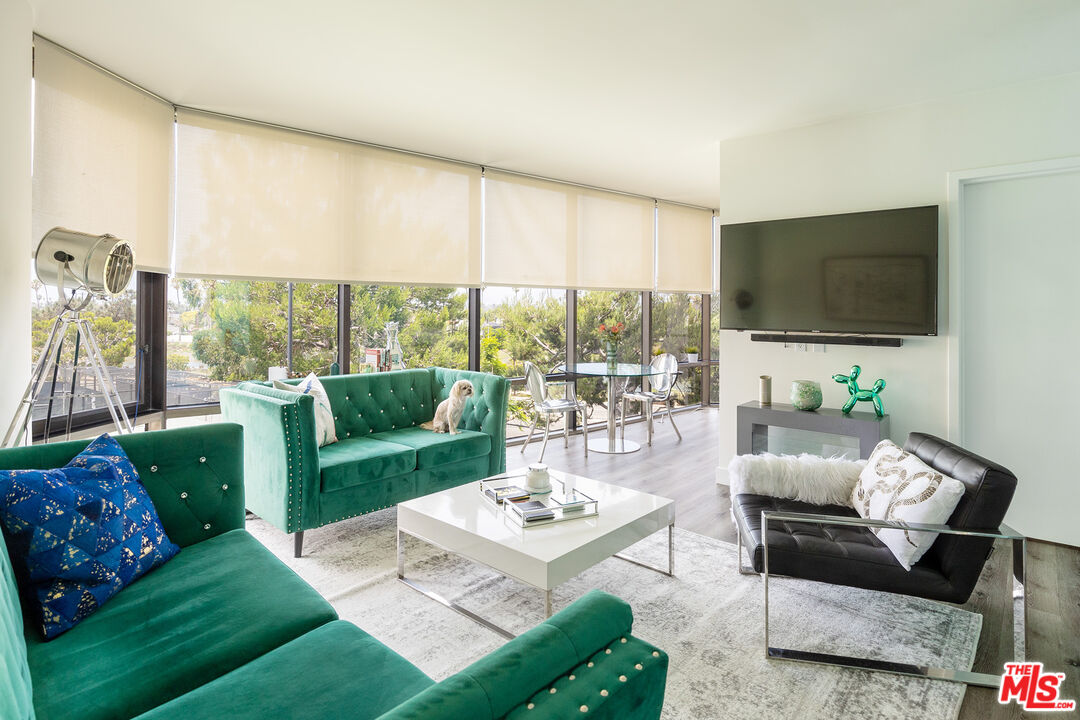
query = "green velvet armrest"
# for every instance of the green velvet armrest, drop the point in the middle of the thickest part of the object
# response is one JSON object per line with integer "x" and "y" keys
{"x": 484, "y": 412}
{"x": 582, "y": 662}
{"x": 194, "y": 476}
{"x": 281, "y": 455}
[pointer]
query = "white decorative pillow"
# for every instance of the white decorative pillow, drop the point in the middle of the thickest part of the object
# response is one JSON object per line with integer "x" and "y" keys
{"x": 897, "y": 486}
{"x": 324, "y": 416}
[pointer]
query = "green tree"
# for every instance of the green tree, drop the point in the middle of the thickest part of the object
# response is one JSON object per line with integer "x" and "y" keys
{"x": 177, "y": 361}
{"x": 248, "y": 329}
{"x": 530, "y": 328}
{"x": 432, "y": 323}
{"x": 115, "y": 338}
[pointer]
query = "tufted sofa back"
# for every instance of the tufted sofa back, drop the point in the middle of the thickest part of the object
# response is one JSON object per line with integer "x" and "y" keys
{"x": 369, "y": 403}
{"x": 195, "y": 476}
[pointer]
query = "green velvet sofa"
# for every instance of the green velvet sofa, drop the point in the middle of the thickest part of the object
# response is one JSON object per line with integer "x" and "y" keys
{"x": 382, "y": 456}
{"x": 226, "y": 630}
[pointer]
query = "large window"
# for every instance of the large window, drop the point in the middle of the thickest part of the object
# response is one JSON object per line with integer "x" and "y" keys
{"x": 519, "y": 325}
{"x": 433, "y": 323}
{"x": 607, "y": 307}
{"x": 112, "y": 321}
{"x": 676, "y": 329}
{"x": 221, "y": 332}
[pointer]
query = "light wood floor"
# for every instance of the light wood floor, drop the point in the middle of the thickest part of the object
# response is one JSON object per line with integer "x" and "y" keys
{"x": 685, "y": 471}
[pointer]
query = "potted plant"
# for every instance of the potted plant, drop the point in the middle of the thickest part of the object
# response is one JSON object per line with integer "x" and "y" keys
{"x": 691, "y": 353}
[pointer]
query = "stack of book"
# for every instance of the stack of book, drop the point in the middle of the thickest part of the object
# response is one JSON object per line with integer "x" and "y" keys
{"x": 509, "y": 493}
{"x": 533, "y": 510}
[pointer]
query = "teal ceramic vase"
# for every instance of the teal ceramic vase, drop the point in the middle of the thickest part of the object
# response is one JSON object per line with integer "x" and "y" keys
{"x": 612, "y": 352}
{"x": 806, "y": 394}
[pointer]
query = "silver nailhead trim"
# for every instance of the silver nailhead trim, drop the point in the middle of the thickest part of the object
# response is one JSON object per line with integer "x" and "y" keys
{"x": 183, "y": 496}
{"x": 202, "y": 459}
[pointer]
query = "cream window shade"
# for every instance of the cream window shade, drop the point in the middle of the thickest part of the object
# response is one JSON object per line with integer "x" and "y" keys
{"x": 684, "y": 245}
{"x": 102, "y": 156}
{"x": 261, "y": 202}
{"x": 546, "y": 234}
{"x": 616, "y": 236}
{"x": 413, "y": 220}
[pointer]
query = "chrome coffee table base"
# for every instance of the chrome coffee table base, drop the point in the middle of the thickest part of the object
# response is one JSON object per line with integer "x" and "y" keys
{"x": 670, "y": 572}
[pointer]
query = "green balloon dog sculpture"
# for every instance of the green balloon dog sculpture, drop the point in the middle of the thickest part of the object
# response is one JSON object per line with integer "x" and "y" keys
{"x": 873, "y": 395}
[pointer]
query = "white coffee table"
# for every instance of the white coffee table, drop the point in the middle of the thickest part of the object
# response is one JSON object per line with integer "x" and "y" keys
{"x": 460, "y": 521}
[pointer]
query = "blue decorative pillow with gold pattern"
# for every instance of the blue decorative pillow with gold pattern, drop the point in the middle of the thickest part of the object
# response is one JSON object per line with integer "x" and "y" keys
{"x": 80, "y": 534}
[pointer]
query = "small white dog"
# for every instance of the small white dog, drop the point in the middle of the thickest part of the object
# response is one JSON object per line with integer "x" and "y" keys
{"x": 448, "y": 414}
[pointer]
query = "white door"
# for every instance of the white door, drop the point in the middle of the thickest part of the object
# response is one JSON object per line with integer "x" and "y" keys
{"x": 1019, "y": 332}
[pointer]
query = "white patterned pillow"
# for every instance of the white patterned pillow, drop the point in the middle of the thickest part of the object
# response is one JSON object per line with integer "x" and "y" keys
{"x": 324, "y": 416}
{"x": 897, "y": 486}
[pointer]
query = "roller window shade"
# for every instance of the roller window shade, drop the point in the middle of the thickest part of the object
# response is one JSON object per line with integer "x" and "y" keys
{"x": 684, "y": 248}
{"x": 616, "y": 237}
{"x": 102, "y": 156}
{"x": 261, "y": 202}
{"x": 547, "y": 234}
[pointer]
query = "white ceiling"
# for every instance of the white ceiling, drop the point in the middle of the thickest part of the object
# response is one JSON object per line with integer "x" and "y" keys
{"x": 625, "y": 94}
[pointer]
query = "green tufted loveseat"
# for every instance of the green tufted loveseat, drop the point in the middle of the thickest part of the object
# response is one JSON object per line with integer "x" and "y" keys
{"x": 226, "y": 630}
{"x": 382, "y": 456}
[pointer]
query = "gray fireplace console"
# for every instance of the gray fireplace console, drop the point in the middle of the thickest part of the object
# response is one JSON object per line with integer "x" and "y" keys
{"x": 753, "y": 421}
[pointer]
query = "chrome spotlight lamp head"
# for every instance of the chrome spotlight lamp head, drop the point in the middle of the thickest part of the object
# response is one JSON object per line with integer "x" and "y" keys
{"x": 99, "y": 265}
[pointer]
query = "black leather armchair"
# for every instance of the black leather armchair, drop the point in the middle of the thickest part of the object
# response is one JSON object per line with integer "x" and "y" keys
{"x": 831, "y": 543}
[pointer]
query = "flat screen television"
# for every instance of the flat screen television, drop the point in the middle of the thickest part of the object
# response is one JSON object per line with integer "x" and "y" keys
{"x": 859, "y": 273}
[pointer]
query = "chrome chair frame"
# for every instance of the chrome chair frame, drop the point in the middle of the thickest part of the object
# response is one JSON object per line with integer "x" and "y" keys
{"x": 544, "y": 404}
{"x": 647, "y": 398}
{"x": 1004, "y": 532}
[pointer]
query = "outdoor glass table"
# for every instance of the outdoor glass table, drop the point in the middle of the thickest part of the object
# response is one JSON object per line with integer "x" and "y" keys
{"x": 612, "y": 372}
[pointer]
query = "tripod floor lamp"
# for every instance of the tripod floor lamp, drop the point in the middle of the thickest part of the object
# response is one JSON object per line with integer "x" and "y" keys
{"x": 93, "y": 266}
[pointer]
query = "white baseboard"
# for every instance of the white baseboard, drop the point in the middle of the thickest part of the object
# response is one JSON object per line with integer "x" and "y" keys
{"x": 722, "y": 475}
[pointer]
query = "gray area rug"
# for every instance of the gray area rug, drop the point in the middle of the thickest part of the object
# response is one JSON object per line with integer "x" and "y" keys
{"x": 708, "y": 618}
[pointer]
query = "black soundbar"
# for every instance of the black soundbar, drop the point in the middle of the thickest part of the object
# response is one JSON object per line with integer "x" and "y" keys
{"x": 821, "y": 339}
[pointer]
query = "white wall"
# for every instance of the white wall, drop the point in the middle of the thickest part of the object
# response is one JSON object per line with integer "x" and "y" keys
{"x": 16, "y": 40}
{"x": 896, "y": 158}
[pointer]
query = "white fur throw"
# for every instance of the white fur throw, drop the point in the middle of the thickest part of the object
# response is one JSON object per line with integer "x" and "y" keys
{"x": 808, "y": 478}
